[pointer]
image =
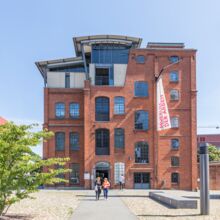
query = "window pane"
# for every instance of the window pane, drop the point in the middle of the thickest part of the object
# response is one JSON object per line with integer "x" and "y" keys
{"x": 102, "y": 142}
{"x": 174, "y": 59}
{"x": 74, "y": 110}
{"x": 174, "y": 94}
{"x": 60, "y": 110}
{"x": 141, "y": 120}
{"x": 102, "y": 109}
{"x": 119, "y": 137}
{"x": 67, "y": 80}
{"x": 74, "y": 174}
{"x": 61, "y": 175}
{"x": 174, "y": 161}
{"x": 110, "y": 53}
{"x": 60, "y": 141}
{"x": 175, "y": 177}
{"x": 141, "y": 152}
{"x": 74, "y": 141}
{"x": 78, "y": 69}
{"x": 141, "y": 89}
{"x": 174, "y": 122}
{"x": 175, "y": 143}
{"x": 119, "y": 105}
{"x": 174, "y": 77}
{"x": 119, "y": 170}
{"x": 140, "y": 59}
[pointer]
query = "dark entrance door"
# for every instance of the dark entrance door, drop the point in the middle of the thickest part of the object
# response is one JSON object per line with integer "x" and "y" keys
{"x": 102, "y": 173}
{"x": 142, "y": 180}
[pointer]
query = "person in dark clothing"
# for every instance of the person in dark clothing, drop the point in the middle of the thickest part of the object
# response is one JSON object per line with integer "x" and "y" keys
{"x": 98, "y": 187}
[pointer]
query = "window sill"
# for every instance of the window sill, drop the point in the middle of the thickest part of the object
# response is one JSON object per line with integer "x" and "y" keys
{"x": 139, "y": 130}
{"x": 142, "y": 163}
{"x": 175, "y": 128}
{"x": 175, "y": 166}
{"x": 141, "y": 97}
{"x": 74, "y": 118}
{"x": 174, "y": 100}
{"x": 174, "y": 149}
{"x": 102, "y": 121}
{"x": 57, "y": 118}
{"x": 174, "y": 184}
{"x": 174, "y": 82}
{"x": 115, "y": 114}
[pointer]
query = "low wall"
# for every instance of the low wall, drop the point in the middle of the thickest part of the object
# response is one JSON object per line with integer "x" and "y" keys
{"x": 214, "y": 175}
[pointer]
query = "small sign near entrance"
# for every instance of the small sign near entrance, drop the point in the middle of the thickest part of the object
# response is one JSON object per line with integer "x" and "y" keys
{"x": 86, "y": 176}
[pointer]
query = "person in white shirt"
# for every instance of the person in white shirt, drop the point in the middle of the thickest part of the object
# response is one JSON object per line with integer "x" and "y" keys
{"x": 121, "y": 181}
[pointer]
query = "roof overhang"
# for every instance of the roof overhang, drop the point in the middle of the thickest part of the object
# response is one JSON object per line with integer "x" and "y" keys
{"x": 44, "y": 65}
{"x": 87, "y": 41}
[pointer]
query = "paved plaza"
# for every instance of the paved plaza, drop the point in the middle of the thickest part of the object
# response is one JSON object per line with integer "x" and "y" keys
{"x": 124, "y": 204}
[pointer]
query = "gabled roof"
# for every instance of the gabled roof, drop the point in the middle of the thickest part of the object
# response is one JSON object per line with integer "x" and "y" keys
{"x": 2, "y": 121}
{"x": 113, "y": 39}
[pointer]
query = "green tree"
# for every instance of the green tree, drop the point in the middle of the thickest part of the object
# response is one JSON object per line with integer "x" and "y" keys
{"x": 21, "y": 170}
{"x": 214, "y": 153}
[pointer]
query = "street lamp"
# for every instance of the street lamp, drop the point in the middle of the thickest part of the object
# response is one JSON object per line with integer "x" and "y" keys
{"x": 157, "y": 76}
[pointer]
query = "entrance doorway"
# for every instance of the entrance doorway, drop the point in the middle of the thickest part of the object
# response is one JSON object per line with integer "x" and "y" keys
{"x": 102, "y": 173}
{"x": 142, "y": 180}
{"x": 102, "y": 170}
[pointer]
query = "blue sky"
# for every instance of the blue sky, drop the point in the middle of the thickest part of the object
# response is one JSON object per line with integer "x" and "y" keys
{"x": 41, "y": 30}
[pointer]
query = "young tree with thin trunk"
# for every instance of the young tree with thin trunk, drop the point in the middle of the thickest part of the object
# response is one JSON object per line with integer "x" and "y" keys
{"x": 21, "y": 170}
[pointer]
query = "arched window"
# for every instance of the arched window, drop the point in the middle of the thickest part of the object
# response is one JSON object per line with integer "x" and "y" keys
{"x": 141, "y": 89}
{"x": 119, "y": 138}
{"x": 119, "y": 105}
{"x": 74, "y": 141}
{"x": 74, "y": 110}
{"x": 102, "y": 141}
{"x": 174, "y": 122}
{"x": 141, "y": 120}
{"x": 60, "y": 141}
{"x": 174, "y": 94}
{"x": 174, "y": 59}
{"x": 102, "y": 109}
{"x": 60, "y": 110}
{"x": 141, "y": 152}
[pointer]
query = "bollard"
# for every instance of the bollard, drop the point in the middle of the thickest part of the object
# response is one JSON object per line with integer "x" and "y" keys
{"x": 204, "y": 179}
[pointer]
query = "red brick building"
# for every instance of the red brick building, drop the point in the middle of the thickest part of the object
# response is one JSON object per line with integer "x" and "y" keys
{"x": 213, "y": 139}
{"x": 101, "y": 105}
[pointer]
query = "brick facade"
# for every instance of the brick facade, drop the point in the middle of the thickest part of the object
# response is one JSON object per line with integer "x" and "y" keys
{"x": 160, "y": 152}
